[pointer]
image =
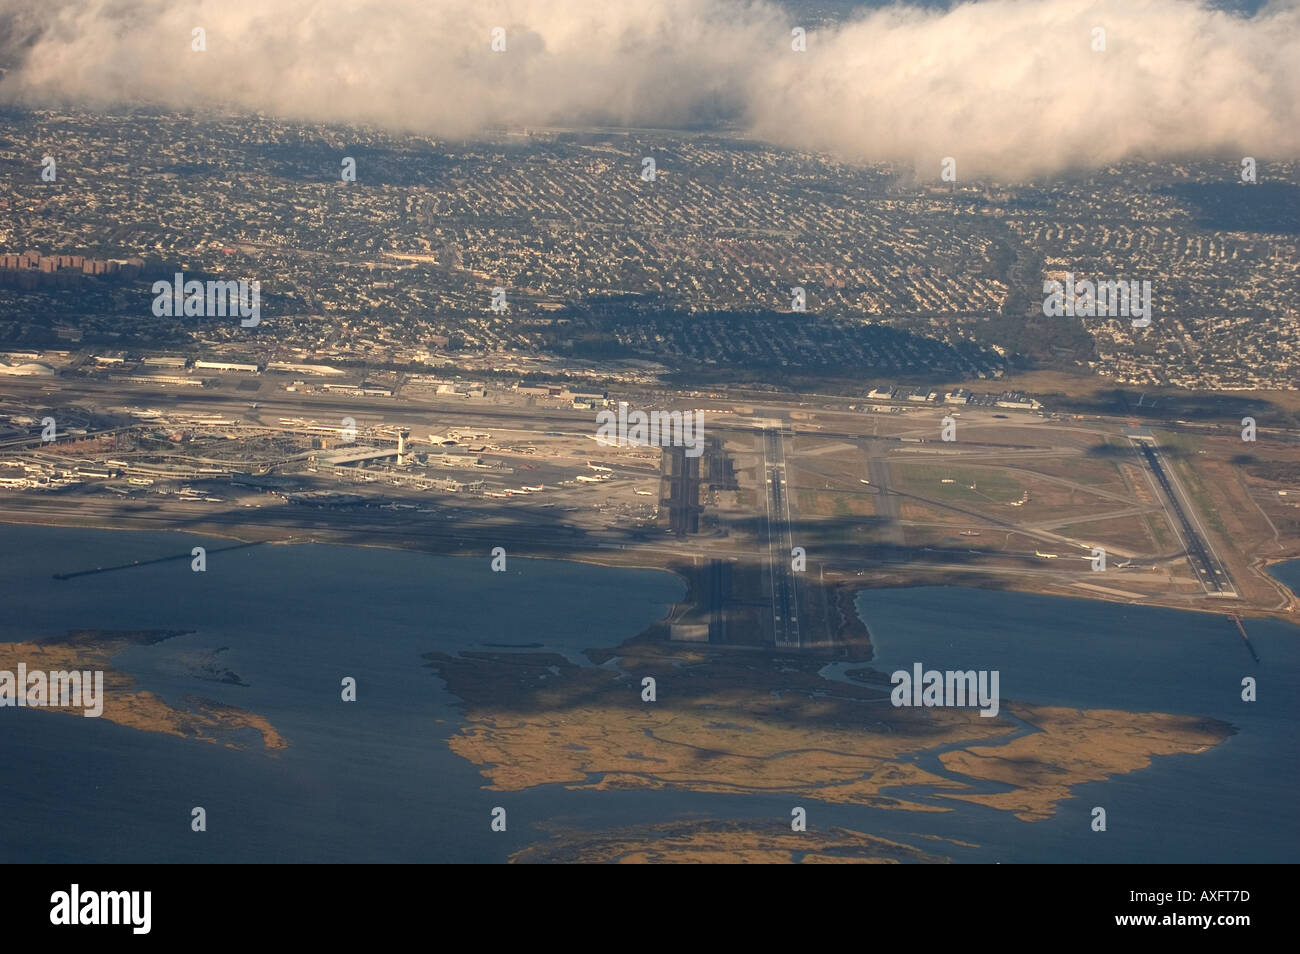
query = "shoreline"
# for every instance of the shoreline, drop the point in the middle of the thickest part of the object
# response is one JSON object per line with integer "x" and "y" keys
{"x": 808, "y": 742}
{"x": 850, "y": 633}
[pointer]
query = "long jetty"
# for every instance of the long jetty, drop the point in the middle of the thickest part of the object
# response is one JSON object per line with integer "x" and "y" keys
{"x": 138, "y": 563}
{"x": 1241, "y": 628}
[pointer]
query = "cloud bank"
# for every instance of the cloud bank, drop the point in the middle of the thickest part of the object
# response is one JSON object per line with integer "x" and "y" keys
{"x": 1006, "y": 87}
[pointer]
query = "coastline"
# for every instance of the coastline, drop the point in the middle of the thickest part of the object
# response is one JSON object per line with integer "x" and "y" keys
{"x": 850, "y": 636}
{"x": 759, "y": 722}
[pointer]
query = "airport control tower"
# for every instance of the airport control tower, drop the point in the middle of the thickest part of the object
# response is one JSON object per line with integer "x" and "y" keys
{"x": 402, "y": 436}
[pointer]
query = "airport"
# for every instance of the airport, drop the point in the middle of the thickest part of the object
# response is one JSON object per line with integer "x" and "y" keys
{"x": 858, "y": 486}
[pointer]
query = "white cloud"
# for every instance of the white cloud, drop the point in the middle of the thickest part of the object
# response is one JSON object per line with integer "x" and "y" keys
{"x": 1004, "y": 86}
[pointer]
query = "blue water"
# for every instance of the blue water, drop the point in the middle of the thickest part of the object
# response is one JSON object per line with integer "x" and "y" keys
{"x": 1235, "y": 802}
{"x": 375, "y": 781}
{"x": 370, "y": 780}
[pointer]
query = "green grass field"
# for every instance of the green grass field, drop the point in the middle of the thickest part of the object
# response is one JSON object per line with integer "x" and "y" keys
{"x": 926, "y": 479}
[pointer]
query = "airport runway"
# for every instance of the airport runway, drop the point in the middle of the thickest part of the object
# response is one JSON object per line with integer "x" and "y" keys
{"x": 1209, "y": 569}
{"x": 785, "y": 609}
